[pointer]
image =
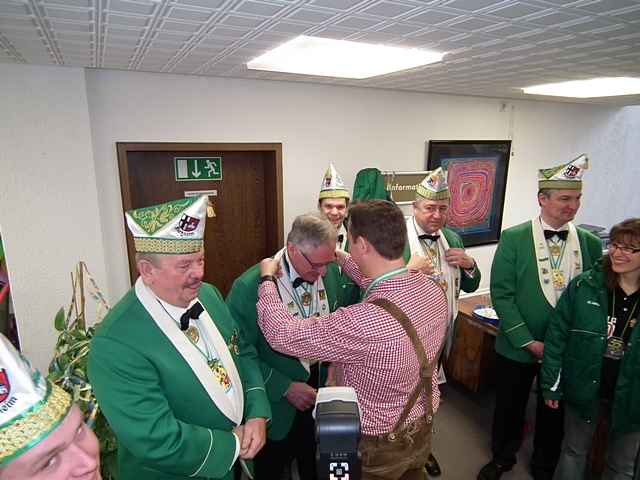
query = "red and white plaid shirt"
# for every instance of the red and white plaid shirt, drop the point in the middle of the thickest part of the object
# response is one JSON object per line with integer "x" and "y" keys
{"x": 378, "y": 359}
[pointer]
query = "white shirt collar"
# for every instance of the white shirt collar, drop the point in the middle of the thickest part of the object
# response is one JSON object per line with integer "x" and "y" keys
{"x": 545, "y": 226}
{"x": 292, "y": 271}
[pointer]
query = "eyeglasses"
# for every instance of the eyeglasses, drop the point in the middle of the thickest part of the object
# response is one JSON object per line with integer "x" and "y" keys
{"x": 314, "y": 266}
{"x": 623, "y": 248}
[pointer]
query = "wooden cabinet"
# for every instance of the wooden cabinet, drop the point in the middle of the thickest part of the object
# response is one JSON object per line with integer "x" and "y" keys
{"x": 472, "y": 357}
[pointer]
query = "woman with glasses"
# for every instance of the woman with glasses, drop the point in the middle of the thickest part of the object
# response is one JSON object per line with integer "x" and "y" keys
{"x": 592, "y": 358}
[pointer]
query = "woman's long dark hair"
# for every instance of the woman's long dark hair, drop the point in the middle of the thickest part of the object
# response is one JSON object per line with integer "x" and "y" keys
{"x": 627, "y": 232}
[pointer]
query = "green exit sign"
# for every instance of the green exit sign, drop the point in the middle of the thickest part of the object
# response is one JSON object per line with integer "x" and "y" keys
{"x": 189, "y": 169}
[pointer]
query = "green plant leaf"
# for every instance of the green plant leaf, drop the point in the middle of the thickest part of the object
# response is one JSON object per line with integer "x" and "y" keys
{"x": 60, "y": 322}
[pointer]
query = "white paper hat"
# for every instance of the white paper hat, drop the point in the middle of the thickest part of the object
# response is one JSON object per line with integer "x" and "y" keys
{"x": 30, "y": 406}
{"x": 175, "y": 227}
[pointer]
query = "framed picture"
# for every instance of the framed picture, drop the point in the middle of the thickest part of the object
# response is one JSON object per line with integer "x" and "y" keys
{"x": 477, "y": 177}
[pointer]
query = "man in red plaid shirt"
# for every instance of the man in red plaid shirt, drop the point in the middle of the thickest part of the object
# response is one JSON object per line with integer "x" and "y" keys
{"x": 392, "y": 376}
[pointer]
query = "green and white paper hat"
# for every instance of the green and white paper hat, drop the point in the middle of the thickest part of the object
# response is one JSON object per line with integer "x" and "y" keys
{"x": 332, "y": 185}
{"x": 434, "y": 186}
{"x": 31, "y": 407}
{"x": 567, "y": 176}
{"x": 175, "y": 227}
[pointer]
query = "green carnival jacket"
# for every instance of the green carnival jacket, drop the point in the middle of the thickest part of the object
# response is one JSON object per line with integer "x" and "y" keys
{"x": 167, "y": 426}
{"x": 516, "y": 294}
{"x": 278, "y": 370}
{"x": 467, "y": 283}
{"x": 574, "y": 347}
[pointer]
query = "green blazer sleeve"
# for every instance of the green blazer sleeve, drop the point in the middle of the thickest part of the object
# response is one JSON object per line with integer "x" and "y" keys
{"x": 555, "y": 342}
{"x": 593, "y": 247}
{"x": 468, "y": 283}
{"x": 503, "y": 292}
{"x": 241, "y": 300}
{"x": 144, "y": 422}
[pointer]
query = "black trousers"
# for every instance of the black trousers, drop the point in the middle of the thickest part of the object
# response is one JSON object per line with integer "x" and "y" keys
{"x": 512, "y": 394}
{"x": 299, "y": 444}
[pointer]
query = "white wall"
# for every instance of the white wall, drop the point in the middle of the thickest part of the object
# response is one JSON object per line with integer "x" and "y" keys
{"x": 355, "y": 128}
{"x": 48, "y": 201}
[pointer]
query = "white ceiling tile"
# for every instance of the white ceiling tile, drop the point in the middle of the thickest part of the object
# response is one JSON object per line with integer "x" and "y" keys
{"x": 242, "y": 21}
{"x": 13, "y": 8}
{"x": 128, "y": 20}
{"x": 432, "y": 17}
{"x": 201, "y": 3}
{"x": 140, "y": 7}
{"x": 471, "y": 5}
{"x": 227, "y": 32}
{"x": 553, "y": 18}
{"x": 357, "y": 22}
{"x": 337, "y": 4}
{"x": 471, "y": 24}
{"x": 68, "y": 3}
{"x": 506, "y": 30}
{"x": 516, "y": 10}
{"x": 287, "y": 27}
{"x": 189, "y": 14}
{"x": 259, "y": 8}
{"x": 59, "y": 25}
{"x": 83, "y": 15}
{"x": 399, "y": 29}
{"x": 310, "y": 16}
{"x": 607, "y": 6}
{"x": 181, "y": 27}
{"x": 388, "y": 9}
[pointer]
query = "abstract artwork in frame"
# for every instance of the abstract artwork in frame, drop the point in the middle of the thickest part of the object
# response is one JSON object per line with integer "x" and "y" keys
{"x": 477, "y": 177}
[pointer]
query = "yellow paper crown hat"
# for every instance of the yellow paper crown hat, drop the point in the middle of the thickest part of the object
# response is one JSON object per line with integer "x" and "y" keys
{"x": 175, "y": 227}
{"x": 30, "y": 406}
{"x": 332, "y": 185}
{"x": 434, "y": 186}
{"x": 567, "y": 176}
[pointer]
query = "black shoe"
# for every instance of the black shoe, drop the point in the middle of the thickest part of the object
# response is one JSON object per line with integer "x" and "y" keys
{"x": 432, "y": 466}
{"x": 493, "y": 471}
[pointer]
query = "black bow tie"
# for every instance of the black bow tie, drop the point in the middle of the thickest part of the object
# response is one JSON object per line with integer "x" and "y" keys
{"x": 192, "y": 312}
{"x": 340, "y": 238}
{"x": 562, "y": 234}
{"x": 426, "y": 236}
{"x": 299, "y": 281}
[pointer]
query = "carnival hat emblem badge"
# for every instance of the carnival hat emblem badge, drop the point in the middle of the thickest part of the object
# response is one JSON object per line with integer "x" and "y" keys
{"x": 5, "y": 386}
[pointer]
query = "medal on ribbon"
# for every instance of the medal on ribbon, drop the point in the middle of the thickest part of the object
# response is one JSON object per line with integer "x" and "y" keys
{"x": 193, "y": 333}
{"x": 557, "y": 277}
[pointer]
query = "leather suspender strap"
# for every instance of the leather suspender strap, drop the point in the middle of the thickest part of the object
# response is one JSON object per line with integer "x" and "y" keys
{"x": 426, "y": 368}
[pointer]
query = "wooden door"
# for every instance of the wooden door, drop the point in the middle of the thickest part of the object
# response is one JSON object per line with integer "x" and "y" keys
{"x": 248, "y": 225}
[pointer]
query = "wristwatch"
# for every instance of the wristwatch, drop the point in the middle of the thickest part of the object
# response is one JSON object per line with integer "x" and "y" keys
{"x": 267, "y": 278}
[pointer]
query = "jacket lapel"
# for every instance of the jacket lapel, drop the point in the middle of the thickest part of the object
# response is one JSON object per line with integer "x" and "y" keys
{"x": 190, "y": 353}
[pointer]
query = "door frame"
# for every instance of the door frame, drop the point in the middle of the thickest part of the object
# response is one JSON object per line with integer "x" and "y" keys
{"x": 274, "y": 207}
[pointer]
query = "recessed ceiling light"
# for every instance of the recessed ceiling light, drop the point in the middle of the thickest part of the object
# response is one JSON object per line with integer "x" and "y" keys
{"x": 341, "y": 58}
{"x": 595, "y": 87}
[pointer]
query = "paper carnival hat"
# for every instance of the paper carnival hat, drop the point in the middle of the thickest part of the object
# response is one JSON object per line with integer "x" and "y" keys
{"x": 175, "y": 227}
{"x": 434, "y": 186}
{"x": 332, "y": 185}
{"x": 567, "y": 176}
{"x": 30, "y": 406}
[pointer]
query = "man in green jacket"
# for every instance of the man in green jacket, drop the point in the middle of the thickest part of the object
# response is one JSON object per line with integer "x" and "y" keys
{"x": 450, "y": 265}
{"x": 592, "y": 358}
{"x": 333, "y": 201}
{"x": 181, "y": 390}
{"x": 531, "y": 268}
{"x": 309, "y": 286}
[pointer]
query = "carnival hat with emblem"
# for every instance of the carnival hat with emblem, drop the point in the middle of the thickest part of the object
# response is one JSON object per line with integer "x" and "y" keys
{"x": 434, "y": 186}
{"x": 175, "y": 227}
{"x": 567, "y": 176}
{"x": 31, "y": 407}
{"x": 332, "y": 185}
